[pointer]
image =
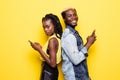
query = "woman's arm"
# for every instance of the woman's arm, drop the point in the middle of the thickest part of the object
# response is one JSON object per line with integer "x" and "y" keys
{"x": 52, "y": 47}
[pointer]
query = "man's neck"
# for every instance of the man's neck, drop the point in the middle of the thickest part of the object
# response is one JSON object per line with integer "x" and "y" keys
{"x": 71, "y": 26}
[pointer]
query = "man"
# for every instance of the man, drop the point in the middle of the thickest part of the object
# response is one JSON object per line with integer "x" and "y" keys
{"x": 74, "y": 53}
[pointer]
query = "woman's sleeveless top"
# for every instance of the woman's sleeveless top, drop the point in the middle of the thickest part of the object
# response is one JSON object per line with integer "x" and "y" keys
{"x": 45, "y": 47}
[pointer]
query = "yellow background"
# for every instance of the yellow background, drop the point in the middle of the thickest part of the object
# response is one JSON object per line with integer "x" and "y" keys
{"x": 20, "y": 21}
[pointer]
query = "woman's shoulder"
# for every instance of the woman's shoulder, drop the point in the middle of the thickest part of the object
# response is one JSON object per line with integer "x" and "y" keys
{"x": 53, "y": 39}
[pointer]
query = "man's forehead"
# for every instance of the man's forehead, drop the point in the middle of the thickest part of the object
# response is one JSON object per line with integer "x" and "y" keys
{"x": 68, "y": 9}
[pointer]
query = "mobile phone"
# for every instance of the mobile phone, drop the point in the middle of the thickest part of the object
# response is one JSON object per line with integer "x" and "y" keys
{"x": 30, "y": 42}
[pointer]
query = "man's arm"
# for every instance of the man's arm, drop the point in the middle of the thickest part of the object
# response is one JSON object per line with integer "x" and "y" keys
{"x": 69, "y": 44}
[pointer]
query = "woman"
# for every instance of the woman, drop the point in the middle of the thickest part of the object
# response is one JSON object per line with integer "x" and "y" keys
{"x": 51, "y": 51}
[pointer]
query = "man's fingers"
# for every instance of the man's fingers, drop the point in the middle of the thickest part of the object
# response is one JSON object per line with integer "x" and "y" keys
{"x": 30, "y": 42}
{"x": 93, "y": 33}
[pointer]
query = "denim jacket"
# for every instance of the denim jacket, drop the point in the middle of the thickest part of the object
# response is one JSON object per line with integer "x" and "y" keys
{"x": 74, "y": 56}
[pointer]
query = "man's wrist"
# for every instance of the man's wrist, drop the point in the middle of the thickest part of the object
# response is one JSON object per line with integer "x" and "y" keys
{"x": 87, "y": 46}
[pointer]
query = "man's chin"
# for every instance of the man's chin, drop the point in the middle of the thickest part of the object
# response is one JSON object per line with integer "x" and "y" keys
{"x": 74, "y": 25}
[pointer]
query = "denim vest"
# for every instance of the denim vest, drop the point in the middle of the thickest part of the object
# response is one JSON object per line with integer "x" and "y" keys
{"x": 81, "y": 70}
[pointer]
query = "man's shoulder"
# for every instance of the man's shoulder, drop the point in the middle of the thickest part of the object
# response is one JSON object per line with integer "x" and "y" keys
{"x": 66, "y": 32}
